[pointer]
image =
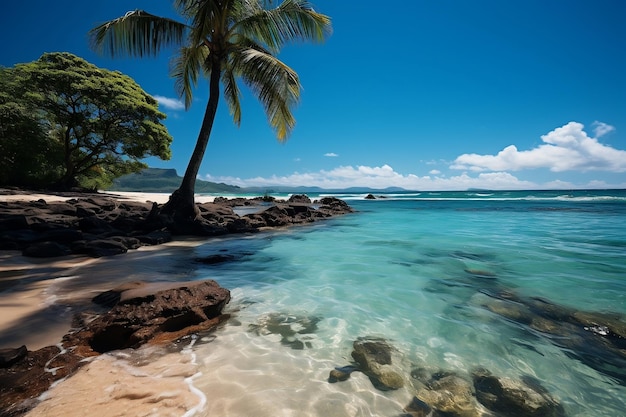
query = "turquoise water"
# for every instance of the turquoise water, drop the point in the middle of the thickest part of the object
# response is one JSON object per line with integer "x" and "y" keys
{"x": 420, "y": 271}
{"x": 453, "y": 281}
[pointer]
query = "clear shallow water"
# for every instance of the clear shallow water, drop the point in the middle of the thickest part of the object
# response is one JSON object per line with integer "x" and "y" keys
{"x": 417, "y": 270}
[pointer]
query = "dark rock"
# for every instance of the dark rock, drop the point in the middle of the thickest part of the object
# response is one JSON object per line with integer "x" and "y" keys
{"x": 94, "y": 225}
{"x": 145, "y": 315}
{"x": 156, "y": 237}
{"x": 100, "y": 247}
{"x": 46, "y": 250}
{"x": 88, "y": 218}
{"x": 10, "y": 356}
{"x": 28, "y": 378}
{"x": 512, "y": 398}
{"x": 370, "y": 197}
{"x": 299, "y": 198}
{"x": 14, "y": 222}
{"x": 341, "y": 373}
{"x": 61, "y": 235}
{"x": 418, "y": 408}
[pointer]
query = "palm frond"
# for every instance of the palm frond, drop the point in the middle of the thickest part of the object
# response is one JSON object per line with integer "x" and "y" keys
{"x": 137, "y": 33}
{"x": 292, "y": 20}
{"x": 185, "y": 69}
{"x": 232, "y": 94}
{"x": 275, "y": 84}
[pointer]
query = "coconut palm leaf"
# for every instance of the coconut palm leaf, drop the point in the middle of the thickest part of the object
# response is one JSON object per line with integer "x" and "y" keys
{"x": 185, "y": 69}
{"x": 137, "y": 33}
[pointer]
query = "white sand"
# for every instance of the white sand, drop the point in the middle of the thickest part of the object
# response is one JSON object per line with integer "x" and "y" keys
{"x": 160, "y": 198}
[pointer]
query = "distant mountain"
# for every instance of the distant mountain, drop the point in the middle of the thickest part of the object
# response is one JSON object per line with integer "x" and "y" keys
{"x": 158, "y": 180}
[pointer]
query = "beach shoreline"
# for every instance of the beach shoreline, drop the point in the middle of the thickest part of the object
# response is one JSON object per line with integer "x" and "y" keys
{"x": 24, "y": 281}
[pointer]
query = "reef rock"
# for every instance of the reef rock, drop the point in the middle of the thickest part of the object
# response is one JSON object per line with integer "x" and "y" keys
{"x": 374, "y": 357}
{"x": 513, "y": 398}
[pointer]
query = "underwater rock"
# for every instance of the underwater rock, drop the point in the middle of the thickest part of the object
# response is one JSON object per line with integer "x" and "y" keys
{"x": 373, "y": 355}
{"x": 596, "y": 339}
{"x": 511, "y": 398}
{"x": 446, "y": 393}
{"x": 341, "y": 373}
{"x": 289, "y": 327}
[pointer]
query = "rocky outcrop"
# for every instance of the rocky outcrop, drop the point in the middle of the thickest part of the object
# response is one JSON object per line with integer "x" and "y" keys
{"x": 141, "y": 313}
{"x": 104, "y": 225}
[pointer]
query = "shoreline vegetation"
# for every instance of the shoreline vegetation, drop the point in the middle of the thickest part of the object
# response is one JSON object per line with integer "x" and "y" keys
{"x": 41, "y": 232}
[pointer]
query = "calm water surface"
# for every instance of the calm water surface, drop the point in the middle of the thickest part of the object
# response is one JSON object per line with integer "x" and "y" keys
{"x": 429, "y": 273}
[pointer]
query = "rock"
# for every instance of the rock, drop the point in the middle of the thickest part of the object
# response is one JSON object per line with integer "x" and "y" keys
{"x": 159, "y": 312}
{"x": 100, "y": 247}
{"x": 299, "y": 198}
{"x": 28, "y": 378}
{"x": 46, "y": 250}
{"x": 418, "y": 408}
{"x": 88, "y": 218}
{"x": 341, "y": 373}
{"x": 512, "y": 398}
{"x": 373, "y": 355}
{"x": 370, "y": 197}
{"x": 10, "y": 356}
{"x": 290, "y": 327}
{"x": 449, "y": 394}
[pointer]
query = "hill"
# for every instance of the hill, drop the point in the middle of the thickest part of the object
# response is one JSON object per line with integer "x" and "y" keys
{"x": 158, "y": 180}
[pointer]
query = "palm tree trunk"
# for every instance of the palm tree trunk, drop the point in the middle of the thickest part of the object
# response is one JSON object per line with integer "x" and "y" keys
{"x": 181, "y": 205}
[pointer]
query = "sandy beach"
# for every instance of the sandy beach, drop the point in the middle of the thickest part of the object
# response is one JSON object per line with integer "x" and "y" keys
{"x": 38, "y": 300}
{"x": 24, "y": 282}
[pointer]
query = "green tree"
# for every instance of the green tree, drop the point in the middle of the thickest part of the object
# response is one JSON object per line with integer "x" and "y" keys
{"x": 100, "y": 122}
{"x": 27, "y": 157}
{"x": 223, "y": 40}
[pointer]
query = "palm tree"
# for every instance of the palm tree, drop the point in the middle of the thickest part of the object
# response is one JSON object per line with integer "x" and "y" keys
{"x": 223, "y": 40}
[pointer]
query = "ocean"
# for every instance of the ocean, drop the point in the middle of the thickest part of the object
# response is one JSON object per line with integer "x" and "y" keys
{"x": 528, "y": 285}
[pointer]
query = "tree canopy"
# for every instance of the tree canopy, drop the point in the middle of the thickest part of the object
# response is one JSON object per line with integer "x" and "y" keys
{"x": 224, "y": 41}
{"x": 65, "y": 122}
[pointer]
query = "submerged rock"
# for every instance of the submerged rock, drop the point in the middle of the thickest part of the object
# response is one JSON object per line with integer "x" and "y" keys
{"x": 445, "y": 393}
{"x": 596, "y": 339}
{"x": 291, "y": 328}
{"x": 374, "y": 358}
{"x": 513, "y": 398}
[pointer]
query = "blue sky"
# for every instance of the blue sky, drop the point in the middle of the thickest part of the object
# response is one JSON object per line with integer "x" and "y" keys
{"x": 421, "y": 94}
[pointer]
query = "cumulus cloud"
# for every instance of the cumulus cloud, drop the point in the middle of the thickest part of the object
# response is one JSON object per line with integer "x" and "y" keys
{"x": 382, "y": 177}
{"x": 567, "y": 148}
{"x": 331, "y": 154}
{"x": 170, "y": 103}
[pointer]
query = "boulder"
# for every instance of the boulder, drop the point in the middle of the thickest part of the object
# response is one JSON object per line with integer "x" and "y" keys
{"x": 46, "y": 250}
{"x": 374, "y": 357}
{"x": 514, "y": 398}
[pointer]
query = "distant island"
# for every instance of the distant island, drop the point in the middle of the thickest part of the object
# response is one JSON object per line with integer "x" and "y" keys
{"x": 159, "y": 180}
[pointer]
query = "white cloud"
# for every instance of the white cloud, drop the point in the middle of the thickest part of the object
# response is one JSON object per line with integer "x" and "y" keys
{"x": 567, "y": 148}
{"x": 382, "y": 177}
{"x": 434, "y": 172}
{"x": 331, "y": 154}
{"x": 601, "y": 129}
{"x": 170, "y": 103}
